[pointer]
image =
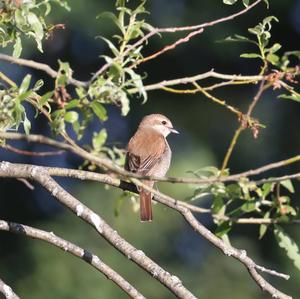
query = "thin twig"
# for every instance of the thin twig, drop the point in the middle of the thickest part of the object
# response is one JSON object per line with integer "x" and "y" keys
{"x": 216, "y": 100}
{"x": 172, "y": 30}
{"x": 243, "y": 125}
{"x": 169, "y": 47}
{"x": 75, "y": 250}
{"x": 40, "y": 66}
{"x": 31, "y": 153}
{"x": 4, "y": 78}
{"x": 191, "y": 79}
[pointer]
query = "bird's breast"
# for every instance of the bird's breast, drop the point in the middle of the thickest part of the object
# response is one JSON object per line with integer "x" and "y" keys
{"x": 162, "y": 166}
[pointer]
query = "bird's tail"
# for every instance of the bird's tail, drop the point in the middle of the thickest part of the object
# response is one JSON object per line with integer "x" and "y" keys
{"x": 145, "y": 205}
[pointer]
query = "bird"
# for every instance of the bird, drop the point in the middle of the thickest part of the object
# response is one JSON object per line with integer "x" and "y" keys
{"x": 149, "y": 154}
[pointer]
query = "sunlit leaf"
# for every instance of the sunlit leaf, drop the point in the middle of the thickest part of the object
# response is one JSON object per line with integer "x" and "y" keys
{"x": 71, "y": 116}
{"x": 72, "y": 104}
{"x": 229, "y": 2}
{"x": 223, "y": 228}
{"x": 288, "y": 185}
{"x": 293, "y": 97}
{"x": 37, "y": 27}
{"x": 26, "y": 125}
{"x": 288, "y": 244}
{"x": 38, "y": 84}
{"x": 99, "y": 140}
{"x": 246, "y": 3}
{"x": 250, "y": 55}
{"x": 25, "y": 84}
{"x": 263, "y": 227}
{"x": 17, "y": 47}
{"x": 99, "y": 110}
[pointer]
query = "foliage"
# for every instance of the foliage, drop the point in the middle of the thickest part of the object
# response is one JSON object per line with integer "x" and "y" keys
{"x": 19, "y": 19}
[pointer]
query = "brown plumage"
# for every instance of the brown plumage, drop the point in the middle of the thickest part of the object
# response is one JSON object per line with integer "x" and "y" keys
{"x": 148, "y": 153}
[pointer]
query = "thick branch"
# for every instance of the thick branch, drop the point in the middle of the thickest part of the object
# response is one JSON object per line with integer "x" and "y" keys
{"x": 75, "y": 250}
{"x": 7, "y": 291}
{"x": 33, "y": 172}
{"x": 174, "y": 284}
{"x": 109, "y": 165}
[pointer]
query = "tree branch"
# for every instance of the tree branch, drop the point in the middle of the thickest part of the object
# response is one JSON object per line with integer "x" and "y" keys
{"x": 168, "y": 47}
{"x": 75, "y": 250}
{"x": 7, "y": 291}
{"x": 172, "y": 30}
{"x": 109, "y": 165}
{"x": 244, "y": 123}
{"x": 174, "y": 284}
{"x": 209, "y": 74}
{"x": 113, "y": 181}
{"x": 40, "y": 66}
{"x": 33, "y": 172}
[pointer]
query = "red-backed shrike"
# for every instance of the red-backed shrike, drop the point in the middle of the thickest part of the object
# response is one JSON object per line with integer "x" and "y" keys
{"x": 148, "y": 153}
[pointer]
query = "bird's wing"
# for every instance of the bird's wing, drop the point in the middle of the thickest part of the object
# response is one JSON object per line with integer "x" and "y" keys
{"x": 144, "y": 150}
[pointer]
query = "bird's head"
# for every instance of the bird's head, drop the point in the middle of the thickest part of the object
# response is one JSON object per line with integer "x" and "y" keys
{"x": 159, "y": 123}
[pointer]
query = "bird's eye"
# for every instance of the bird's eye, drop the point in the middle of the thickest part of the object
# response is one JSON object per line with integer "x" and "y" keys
{"x": 164, "y": 122}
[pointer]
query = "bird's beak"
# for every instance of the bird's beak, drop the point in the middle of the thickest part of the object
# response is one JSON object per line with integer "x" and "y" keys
{"x": 174, "y": 131}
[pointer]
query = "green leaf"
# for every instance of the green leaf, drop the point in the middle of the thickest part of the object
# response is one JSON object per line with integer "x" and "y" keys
{"x": 99, "y": 140}
{"x": 110, "y": 15}
{"x": 237, "y": 38}
{"x": 138, "y": 83}
{"x": 246, "y": 3}
{"x": 249, "y": 206}
{"x": 124, "y": 103}
{"x": 26, "y": 125}
{"x": 267, "y": 3}
{"x": 293, "y": 53}
{"x": 44, "y": 99}
{"x": 65, "y": 73}
{"x": 294, "y": 97}
{"x": 25, "y": 84}
{"x": 71, "y": 116}
{"x": 17, "y": 47}
{"x": 285, "y": 242}
{"x": 115, "y": 70}
{"x": 267, "y": 188}
{"x": 263, "y": 227}
{"x": 229, "y": 2}
{"x": 250, "y": 55}
{"x": 20, "y": 19}
{"x": 24, "y": 95}
{"x": 72, "y": 104}
{"x": 37, "y": 27}
{"x": 274, "y": 48}
{"x": 111, "y": 46}
{"x": 99, "y": 110}
{"x": 217, "y": 205}
{"x": 223, "y": 228}
{"x": 38, "y": 84}
{"x": 287, "y": 184}
{"x": 273, "y": 58}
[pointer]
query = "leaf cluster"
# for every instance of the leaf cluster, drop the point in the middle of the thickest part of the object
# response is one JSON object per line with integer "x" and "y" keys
{"x": 25, "y": 19}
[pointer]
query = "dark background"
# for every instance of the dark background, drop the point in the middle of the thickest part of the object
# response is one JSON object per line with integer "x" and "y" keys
{"x": 36, "y": 270}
